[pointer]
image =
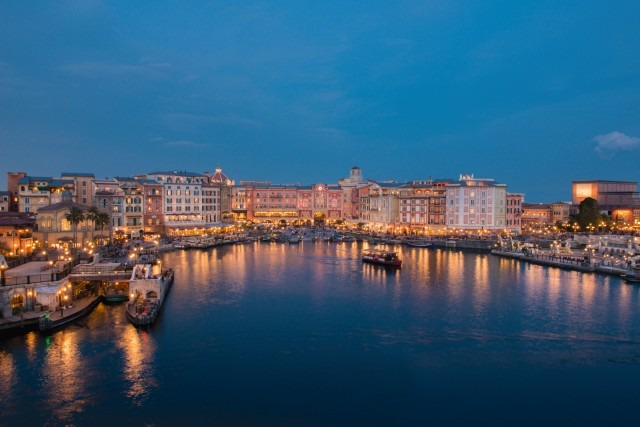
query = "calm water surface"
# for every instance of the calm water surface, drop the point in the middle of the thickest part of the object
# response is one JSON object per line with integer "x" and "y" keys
{"x": 272, "y": 334}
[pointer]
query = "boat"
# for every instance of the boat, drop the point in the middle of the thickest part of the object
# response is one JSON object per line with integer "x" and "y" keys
{"x": 294, "y": 240}
{"x": 419, "y": 243}
{"x": 632, "y": 278}
{"x": 116, "y": 293}
{"x": 149, "y": 286}
{"x": 377, "y": 256}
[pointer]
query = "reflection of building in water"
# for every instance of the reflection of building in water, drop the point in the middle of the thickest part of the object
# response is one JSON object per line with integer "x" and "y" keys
{"x": 66, "y": 377}
{"x": 8, "y": 377}
{"x": 139, "y": 353}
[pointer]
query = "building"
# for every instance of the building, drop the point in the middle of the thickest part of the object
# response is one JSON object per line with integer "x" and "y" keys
{"x": 617, "y": 199}
{"x": 132, "y": 207}
{"x": 349, "y": 186}
{"x": 82, "y": 186}
{"x": 379, "y": 205}
{"x": 422, "y": 207}
{"x": 108, "y": 198}
{"x": 476, "y": 204}
{"x": 514, "y": 212}
{"x": 5, "y": 201}
{"x": 182, "y": 198}
{"x": 53, "y": 229}
{"x": 12, "y": 187}
{"x": 152, "y": 216}
{"x": 36, "y": 192}
{"x": 16, "y": 232}
{"x": 545, "y": 214}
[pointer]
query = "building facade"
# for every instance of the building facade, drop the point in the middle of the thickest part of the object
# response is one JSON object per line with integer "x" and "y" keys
{"x": 476, "y": 204}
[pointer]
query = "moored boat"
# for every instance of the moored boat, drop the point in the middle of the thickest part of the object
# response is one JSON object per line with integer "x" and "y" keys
{"x": 419, "y": 243}
{"x": 149, "y": 287}
{"x": 387, "y": 258}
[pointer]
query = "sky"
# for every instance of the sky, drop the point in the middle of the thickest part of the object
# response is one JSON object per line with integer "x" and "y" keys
{"x": 534, "y": 94}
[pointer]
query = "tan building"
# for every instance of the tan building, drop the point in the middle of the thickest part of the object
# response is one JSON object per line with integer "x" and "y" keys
{"x": 53, "y": 229}
{"x": 82, "y": 185}
{"x": 16, "y": 232}
{"x": 422, "y": 207}
{"x": 543, "y": 214}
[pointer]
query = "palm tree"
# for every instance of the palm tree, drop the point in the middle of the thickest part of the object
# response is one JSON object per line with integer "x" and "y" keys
{"x": 75, "y": 216}
{"x": 101, "y": 220}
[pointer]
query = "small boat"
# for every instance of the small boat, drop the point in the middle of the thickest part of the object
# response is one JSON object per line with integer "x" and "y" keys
{"x": 632, "y": 278}
{"x": 116, "y": 292}
{"x": 294, "y": 240}
{"x": 419, "y": 243}
{"x": 377, "y": 256}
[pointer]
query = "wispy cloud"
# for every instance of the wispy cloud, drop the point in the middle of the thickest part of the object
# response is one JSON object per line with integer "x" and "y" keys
{"x": 115, "y": 69}
{"x": 190, "y": 120}
{"x": 608, "y": 145}
{"x": 185, "y": 144}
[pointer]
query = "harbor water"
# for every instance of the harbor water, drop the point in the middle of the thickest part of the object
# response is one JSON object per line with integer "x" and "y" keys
{"x": 306, "y": 335}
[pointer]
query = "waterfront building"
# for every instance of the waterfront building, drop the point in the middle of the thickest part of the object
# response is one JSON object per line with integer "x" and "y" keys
{"x": 272, "y": 203}
{"x": 5, "y": 201}
{"x": 152, "y": 217}
{"x": 212, "y": 196}
{"x": 349, "y": 186}
{"x": 319, "y": 204}
{"x": 544, "y": 214}
{"x": 36, "y": 192}
{"x": 476, "y": 204}
{"x": 422, "y": 206}
{"x": 379, "y": 205}
{"x": 617, "y": 199}
{"x": 182, "y": 197}
{"x": 514, "y": 212}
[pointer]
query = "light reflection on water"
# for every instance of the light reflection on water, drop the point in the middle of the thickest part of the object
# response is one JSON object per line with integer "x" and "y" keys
{"x": 287, "y": 329}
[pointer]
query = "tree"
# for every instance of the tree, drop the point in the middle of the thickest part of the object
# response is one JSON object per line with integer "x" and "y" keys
{"x": 588, "y": 213}
{"x": 99, "y": 218}
{"x": 75, "y": 216}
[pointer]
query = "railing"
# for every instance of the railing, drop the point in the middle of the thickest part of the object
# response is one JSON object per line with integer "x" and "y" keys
{"x": 52, "y": 276}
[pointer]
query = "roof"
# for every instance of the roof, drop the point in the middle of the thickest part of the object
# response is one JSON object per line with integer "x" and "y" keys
{"x": 29, "y": 179}
{"x": 63, "y": 205}
{"x": 149, "y": 182}
{"x": 218, "y": 176}
{"x": 17, "y": 218}
{"x": 176, "y": 173}
{"x": 5, "y": 193}
{"x": 82, "y": 174}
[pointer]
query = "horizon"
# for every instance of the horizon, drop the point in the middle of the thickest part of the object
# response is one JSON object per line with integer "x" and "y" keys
{"x": 532, "y": 95}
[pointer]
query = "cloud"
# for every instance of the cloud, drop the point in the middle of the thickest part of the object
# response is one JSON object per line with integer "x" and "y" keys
{"x": 115, "y": 69}
{"x": 184, "y": 144}
{"x": 608, "y": 145}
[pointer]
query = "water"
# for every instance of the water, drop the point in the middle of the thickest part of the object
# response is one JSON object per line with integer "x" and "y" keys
{"x": 272, "y": 334}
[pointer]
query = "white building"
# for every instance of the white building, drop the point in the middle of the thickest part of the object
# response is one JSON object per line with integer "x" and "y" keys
{"x": 476, "y": 204}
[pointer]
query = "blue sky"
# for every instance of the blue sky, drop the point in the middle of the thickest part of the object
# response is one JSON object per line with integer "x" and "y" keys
{"x": 533, "y": 94}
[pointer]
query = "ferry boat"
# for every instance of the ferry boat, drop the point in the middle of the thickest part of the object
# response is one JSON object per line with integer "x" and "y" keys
{"x": 419, "y": 243}
{"x": 376, "y": 256}
{"x": 149, "y": 287}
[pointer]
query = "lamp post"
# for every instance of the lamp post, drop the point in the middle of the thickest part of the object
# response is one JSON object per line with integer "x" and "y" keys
{"x": 2, "y": 269}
